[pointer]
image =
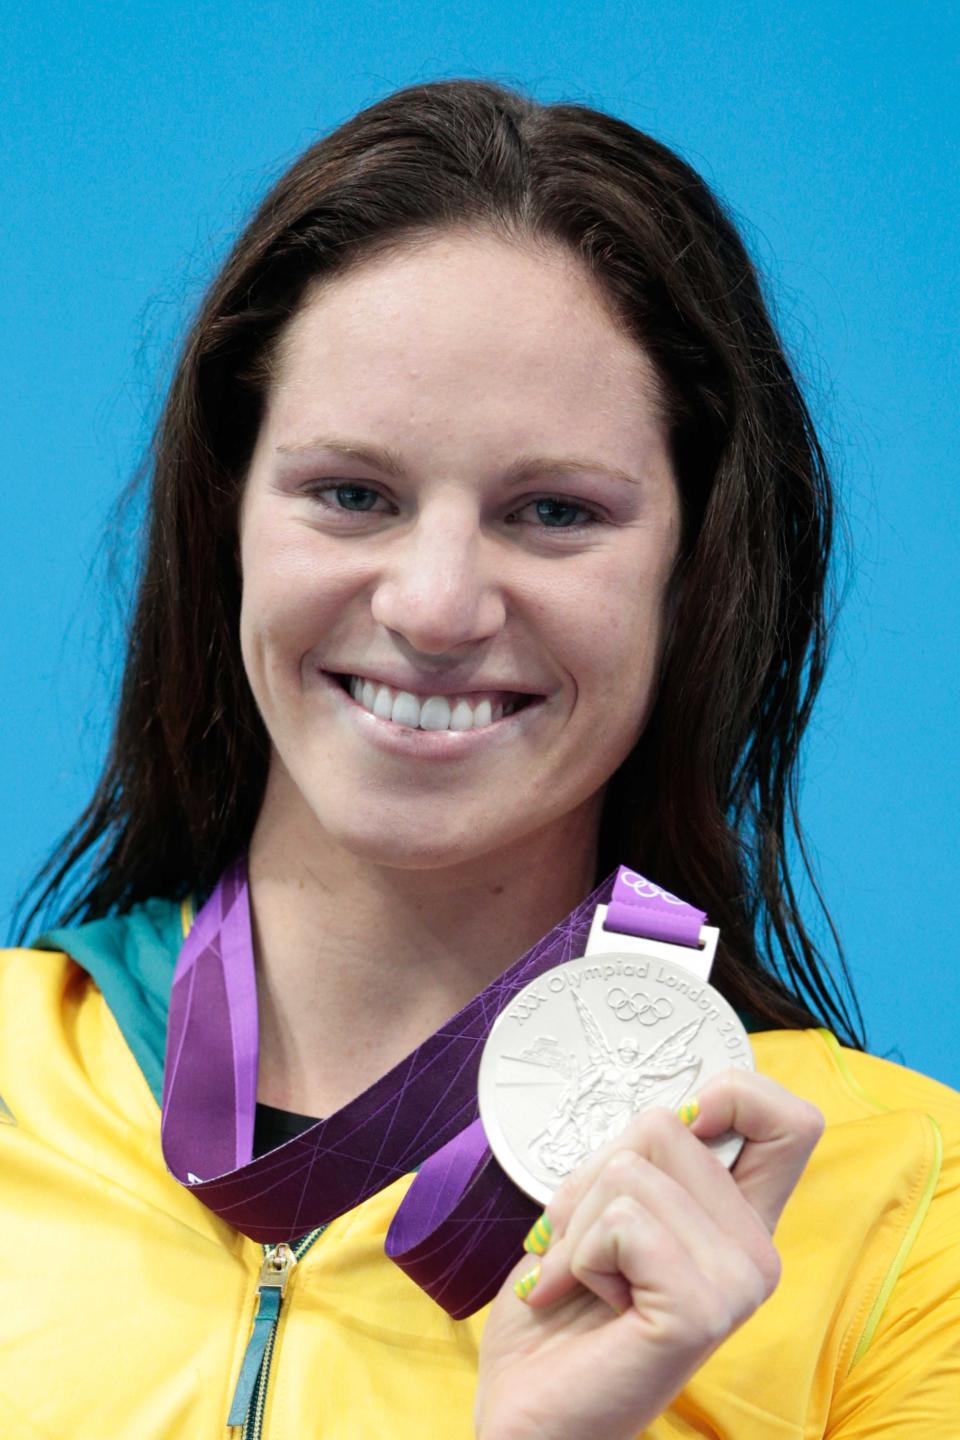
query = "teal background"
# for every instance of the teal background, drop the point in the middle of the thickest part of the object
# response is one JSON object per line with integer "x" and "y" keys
{"x": 137, "y": 137}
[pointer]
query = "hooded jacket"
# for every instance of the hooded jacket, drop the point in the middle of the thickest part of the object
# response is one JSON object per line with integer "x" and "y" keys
{"x": 127, "y": 1307}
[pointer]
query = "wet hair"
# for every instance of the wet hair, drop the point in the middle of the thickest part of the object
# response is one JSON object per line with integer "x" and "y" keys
{"x": 707, "y": 802}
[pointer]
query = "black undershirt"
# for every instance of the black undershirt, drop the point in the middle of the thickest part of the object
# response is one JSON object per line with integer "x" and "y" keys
{"x": 274, "y": 1127}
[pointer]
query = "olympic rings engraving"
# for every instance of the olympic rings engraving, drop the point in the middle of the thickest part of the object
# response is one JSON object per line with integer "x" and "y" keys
{"x": 638, "y": 1006}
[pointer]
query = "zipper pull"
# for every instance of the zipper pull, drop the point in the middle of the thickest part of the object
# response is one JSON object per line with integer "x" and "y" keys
{"x": 279, "y": 1262}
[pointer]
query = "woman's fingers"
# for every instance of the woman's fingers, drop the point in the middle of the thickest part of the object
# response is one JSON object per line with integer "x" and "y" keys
{"x": 669, "y": 1292}
{"x": 628, "y": 1258}
{"x": 734, "y": 1253}
{"x": 781, "y": 1132}
{"x": 640, "y": 1265}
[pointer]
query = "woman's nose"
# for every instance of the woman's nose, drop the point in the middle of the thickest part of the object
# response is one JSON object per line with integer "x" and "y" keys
{"x": 436, "y": 589}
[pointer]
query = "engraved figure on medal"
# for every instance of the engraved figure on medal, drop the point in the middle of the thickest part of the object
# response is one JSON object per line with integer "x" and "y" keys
{"x": 603, "y": 1091}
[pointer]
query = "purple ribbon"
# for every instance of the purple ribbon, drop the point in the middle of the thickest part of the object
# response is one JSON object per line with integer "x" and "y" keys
{"x": 639, "y": 907}
{"x": 461, "y": 1225}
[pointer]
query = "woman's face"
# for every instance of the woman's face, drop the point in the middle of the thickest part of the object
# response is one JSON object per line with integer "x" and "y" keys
{"x": 457, "y": 532}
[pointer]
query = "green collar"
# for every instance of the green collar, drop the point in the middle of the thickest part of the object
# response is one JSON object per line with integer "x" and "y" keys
{"x": 131, "y": 957}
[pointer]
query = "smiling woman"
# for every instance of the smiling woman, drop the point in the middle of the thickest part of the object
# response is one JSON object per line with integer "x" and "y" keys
{"x": 487, "y": 549}
{"x": 436, "y": 580}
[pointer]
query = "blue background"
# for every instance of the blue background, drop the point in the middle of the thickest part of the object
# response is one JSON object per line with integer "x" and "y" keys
{"x": 137, "y": 137}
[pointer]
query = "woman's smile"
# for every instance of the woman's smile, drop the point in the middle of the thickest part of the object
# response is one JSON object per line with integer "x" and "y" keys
{"x": 426, "y": 725}
{"x": 431, "y": 711}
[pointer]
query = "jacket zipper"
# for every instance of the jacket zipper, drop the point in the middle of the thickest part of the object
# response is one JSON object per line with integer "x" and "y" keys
{"x": 250, "y": 1395}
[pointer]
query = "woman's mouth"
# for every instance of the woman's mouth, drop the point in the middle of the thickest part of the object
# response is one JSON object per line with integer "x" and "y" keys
{"x": 474, "y": 711}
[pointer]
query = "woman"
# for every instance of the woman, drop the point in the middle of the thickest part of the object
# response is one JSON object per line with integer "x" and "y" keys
{"x": 487, "y": 551}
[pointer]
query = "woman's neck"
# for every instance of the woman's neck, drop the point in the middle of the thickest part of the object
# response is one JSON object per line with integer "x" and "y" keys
{"x": 358, "y": 963}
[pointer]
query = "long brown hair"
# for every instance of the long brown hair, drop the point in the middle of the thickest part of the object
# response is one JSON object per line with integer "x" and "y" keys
{"x": 707, "y": 801}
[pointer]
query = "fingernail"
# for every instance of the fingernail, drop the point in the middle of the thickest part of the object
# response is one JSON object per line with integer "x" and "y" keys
{"x": 524, "y": 1286}
{"x": 539, "y": 1237}
{"x": 689, "y": 1110}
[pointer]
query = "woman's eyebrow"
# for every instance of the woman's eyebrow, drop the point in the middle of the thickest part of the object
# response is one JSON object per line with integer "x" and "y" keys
{"x": 378, "y": 456}
{"x": 527, "y": 467}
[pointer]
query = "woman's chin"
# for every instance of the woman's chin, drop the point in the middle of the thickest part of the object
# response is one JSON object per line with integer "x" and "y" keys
{"x": 409, "y": 842}
{"x": 307, "y": 814}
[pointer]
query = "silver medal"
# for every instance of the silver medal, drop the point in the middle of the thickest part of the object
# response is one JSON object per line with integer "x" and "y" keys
{"x": 588, "y": 1045}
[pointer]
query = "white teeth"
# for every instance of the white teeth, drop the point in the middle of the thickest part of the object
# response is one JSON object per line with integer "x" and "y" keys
{"x": 461, "y": 716}
{"x": 406, "y": 710}
{"x": 436, "y": 712}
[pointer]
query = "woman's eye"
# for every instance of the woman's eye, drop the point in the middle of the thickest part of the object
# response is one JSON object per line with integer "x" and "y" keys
{"x": 555, "y": 514}
{"x": 358, "y": 499}
{"x": 354, "y": 497}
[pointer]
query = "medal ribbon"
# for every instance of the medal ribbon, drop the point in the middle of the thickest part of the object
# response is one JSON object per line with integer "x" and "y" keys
{"x": 461, "y": 1225}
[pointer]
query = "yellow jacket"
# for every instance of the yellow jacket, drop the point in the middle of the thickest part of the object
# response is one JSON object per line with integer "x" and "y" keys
{"x": 126, "y": 1305}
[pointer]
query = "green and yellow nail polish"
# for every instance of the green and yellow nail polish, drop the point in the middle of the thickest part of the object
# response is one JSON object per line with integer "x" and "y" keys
{"x": 523, "y": 1287}
{"x": 689, "y": 1110}
{"x": 539, "y": 1237}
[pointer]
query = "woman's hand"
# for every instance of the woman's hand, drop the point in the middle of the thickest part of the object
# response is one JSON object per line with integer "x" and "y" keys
{"x": 657, "y": 1254}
